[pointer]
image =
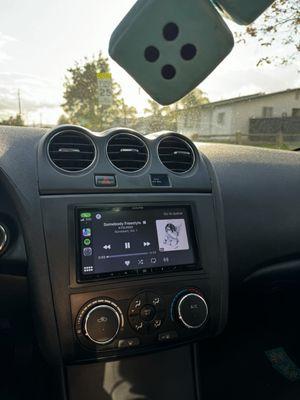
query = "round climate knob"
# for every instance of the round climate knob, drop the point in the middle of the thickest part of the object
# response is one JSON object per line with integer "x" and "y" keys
{"x": 102, "y": 324}
{"x": 192, "y": 310}
{"x": 3, "y": 238}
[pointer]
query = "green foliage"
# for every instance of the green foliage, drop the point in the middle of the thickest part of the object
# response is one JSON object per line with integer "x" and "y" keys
{"x": 195, "y": 98}
{"x": 159, "y": 118}
{"x": 128, "y": 114}
{"x": 63, "y": 119}
{"x": 81, "y": 104}
{"x": 279, "y": 24}
{"x": 13, "y": 121}
{"x": 165, "y": 117}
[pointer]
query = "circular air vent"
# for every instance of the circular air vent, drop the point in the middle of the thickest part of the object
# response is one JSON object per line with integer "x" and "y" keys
{"x": 127, "y": 152}
{"x": 71, "y": 150}
{"x": 176, "y": 154}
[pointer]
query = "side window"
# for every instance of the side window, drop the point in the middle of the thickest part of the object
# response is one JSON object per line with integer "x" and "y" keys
{"x": 267, "y": 112}
{"x": 221, "y": 118}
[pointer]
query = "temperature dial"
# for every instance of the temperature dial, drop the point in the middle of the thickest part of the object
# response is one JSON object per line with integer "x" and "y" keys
{"x": 192, "y": 310}
{"x": 102, "y": 323}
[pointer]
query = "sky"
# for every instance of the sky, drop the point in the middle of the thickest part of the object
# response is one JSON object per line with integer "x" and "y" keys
{"x": 41, "y": 39}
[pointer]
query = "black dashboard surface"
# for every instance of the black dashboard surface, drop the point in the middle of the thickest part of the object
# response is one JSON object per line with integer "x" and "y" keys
{"x": 260, "y": 190}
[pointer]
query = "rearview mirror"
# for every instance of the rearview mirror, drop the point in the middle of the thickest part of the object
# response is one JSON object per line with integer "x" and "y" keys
{"x": 170, "y": 46}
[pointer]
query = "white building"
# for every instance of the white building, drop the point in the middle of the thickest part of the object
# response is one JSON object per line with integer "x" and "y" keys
{"x": 227, "y": 117}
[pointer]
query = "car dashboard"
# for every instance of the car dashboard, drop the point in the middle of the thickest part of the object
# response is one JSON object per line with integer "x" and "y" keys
{"x": 132, "y": 243}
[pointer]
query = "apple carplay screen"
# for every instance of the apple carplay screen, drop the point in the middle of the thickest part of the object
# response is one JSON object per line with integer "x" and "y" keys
{"x": 134, "y": 240}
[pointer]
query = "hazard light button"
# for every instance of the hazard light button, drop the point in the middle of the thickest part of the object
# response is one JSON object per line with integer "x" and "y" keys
{"x": 105, "y": 180}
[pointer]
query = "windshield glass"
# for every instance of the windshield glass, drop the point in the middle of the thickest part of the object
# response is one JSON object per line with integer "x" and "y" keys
{"x": 53, "y": 55}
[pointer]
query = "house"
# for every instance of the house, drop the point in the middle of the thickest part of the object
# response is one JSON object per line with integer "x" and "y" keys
{"x": 227, "y": 117}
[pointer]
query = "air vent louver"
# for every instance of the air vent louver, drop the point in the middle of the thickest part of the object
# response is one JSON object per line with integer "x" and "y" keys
{"x": 71, "y": 150}
{"x": 127, "y": 152}
{"x": 176, "y": 154}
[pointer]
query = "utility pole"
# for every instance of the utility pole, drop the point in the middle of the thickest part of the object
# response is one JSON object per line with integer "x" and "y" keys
{"x": 176, "y": 115}
{"x": 19, "y": 102}
{"x": 125, "y": 114}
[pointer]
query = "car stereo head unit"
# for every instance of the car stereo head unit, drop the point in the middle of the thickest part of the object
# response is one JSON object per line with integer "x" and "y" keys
{"x": 129, "y": 240}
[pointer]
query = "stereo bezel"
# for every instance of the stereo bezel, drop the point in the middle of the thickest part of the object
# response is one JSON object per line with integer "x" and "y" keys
{"x": 143, "y": 272}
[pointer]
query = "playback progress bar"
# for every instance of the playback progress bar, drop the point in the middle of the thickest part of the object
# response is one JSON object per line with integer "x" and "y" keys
{"x": 127, "y": 255}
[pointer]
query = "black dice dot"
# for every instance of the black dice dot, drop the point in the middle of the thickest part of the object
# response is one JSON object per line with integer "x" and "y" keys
{"x": 168, "y": 71}
{"x": 170, "y": 31}
{"x": 188, "y": 51}
{"x": 151, "y": 53}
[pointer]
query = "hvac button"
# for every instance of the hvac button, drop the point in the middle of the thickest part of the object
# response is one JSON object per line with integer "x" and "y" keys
{"x": 155, "y": 300}
{"x": 136, "y": 304}
{"x": 155, "y": 324}
{"x": 132, "y": 342}
{"x": 166, "y": 336}
{"x": 147, "y": 313}
{"x": 138, "y": 325}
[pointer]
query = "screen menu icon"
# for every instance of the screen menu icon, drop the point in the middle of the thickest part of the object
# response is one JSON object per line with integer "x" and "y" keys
{"x": 86, "y": 232}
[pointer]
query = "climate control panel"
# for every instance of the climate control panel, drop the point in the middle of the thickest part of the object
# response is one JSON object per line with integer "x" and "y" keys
{"x": 147, "y": 312}
{"x": 149, "y": 317}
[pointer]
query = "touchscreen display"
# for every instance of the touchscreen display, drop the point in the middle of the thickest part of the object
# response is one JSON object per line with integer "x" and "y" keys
{"x": 124, "y": 240}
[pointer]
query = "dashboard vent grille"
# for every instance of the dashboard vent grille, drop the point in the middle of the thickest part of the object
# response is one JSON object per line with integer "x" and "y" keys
{"x": 127, "y": 152}
{"x": 71, "y": 150}
{"x": 176, "y": 154}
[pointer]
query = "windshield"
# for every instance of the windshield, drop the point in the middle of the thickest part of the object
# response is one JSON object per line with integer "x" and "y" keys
{"x": 54, "y": 64}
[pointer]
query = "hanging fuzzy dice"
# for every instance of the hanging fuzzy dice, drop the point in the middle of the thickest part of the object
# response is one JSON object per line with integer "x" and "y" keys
{"x": 170, "y": 46}
{"x": 243, "y": 12}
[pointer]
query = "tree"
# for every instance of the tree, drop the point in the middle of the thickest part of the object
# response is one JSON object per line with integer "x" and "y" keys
{"x": 156, "y": 116}
{"x": 63, "y": 119}
{"x": 279, "y": 24}
{"x": 81, "y": 104}
{"x": 128, "y": 114}
{"x": 195, "y": 98}
{"x": 13, "y": 121}
{"x": 161, "y": 118}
